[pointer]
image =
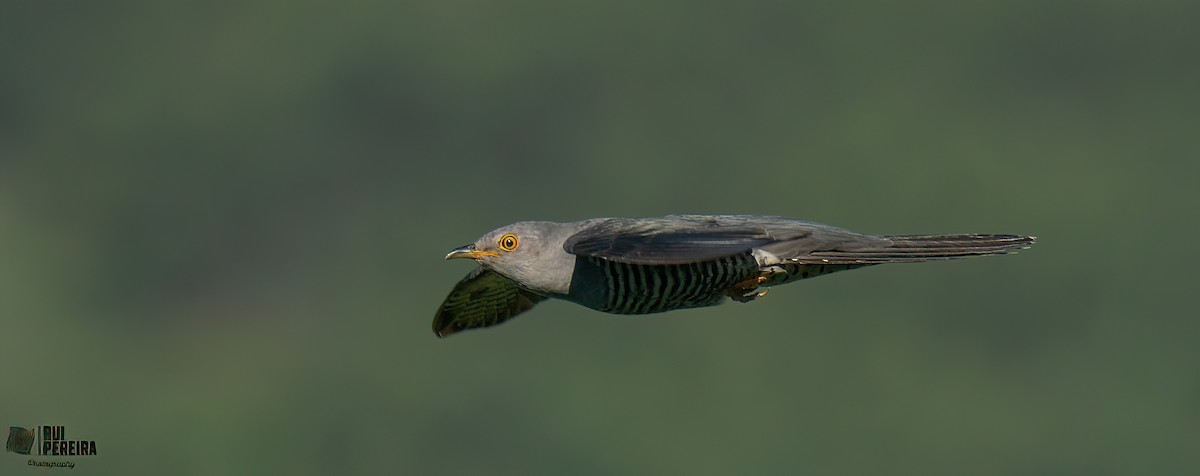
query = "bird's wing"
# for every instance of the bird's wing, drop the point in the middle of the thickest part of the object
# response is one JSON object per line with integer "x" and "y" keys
{"x": 679, "y": 239}
{"x": 483, "y": 298}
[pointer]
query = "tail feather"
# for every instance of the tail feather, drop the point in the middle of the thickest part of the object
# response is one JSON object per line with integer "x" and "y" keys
{"x": 919, "y": 248}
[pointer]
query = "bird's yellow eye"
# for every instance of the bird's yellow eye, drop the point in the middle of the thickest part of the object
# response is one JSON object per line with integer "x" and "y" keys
{"x": 509, "y": 242}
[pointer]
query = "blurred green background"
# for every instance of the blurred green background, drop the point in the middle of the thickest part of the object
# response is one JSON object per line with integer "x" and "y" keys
{"x": 222, "y": 228}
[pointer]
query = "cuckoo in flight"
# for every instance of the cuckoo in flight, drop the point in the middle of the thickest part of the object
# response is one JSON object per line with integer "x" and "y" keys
{"x": 649, "y": 265}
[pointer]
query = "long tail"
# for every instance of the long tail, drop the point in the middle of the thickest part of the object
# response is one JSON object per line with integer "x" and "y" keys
{"x": 892, "y": 249}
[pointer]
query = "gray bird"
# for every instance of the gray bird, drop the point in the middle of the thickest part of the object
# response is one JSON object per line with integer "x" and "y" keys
{"x": 649, "y": 265}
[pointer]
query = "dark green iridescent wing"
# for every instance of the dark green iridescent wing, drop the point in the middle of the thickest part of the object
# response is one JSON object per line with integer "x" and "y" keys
{"x": 483, "y": 298}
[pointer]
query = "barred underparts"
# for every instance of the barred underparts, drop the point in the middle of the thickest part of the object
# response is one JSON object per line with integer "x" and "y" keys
{"x": 646, "y": 289}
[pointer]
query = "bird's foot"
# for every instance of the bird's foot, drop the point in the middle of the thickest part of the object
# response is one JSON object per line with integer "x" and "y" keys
{"x": 747, "y": 290}
{"x": 749, "y": 296}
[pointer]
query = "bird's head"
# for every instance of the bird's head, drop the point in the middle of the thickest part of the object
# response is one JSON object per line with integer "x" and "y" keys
{"x": 530, "y": 253}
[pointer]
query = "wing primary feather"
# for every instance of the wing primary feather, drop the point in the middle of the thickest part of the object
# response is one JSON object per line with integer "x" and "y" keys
{"x": 483, "y": 298}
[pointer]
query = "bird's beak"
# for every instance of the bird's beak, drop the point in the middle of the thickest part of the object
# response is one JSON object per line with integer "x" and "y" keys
{"x": 469, "y": 251}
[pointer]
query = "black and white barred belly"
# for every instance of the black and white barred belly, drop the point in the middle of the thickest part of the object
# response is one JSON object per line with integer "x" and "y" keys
{"x": 622, "y": 288}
